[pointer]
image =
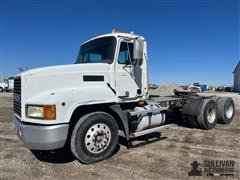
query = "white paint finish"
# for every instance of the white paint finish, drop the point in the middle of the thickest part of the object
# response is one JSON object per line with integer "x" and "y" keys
{"x": 130, "y": 78}
{"x": 117, "y": 35}
{"x": 3, "y": 85}
{"x": 57, "y": 84}
{"x": 10, "y": 84}
{"x": 40, "y": 80}
{"x": 7, "y": 84}
{"x": 39, "y": 84}
{"x": 72, "y": 97}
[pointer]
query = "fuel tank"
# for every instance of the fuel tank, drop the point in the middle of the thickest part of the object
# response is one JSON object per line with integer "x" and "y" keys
{"x": 151, "y": 120}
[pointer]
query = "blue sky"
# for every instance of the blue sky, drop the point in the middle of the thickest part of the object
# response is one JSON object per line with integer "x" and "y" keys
{"x": 188, "y": 41}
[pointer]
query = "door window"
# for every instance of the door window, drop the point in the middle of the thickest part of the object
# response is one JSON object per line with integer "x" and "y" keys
{"x": 125, "y": 53}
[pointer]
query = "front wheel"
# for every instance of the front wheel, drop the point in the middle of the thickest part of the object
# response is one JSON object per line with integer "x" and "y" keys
{"x": 94, "y": 137}
{"x": 1, "y": 89}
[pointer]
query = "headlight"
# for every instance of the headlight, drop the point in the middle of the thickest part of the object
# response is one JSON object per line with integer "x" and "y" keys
{"x": 47, "y": 112}
{"x": 35, "y": 112}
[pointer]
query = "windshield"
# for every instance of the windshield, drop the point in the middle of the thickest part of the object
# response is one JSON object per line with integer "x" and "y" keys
{"x": 97, "y": 51}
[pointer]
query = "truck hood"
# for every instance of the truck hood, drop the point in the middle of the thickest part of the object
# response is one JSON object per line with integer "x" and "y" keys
{"x": 51, "y": 79}
{"x": 62, "y": 69}
{"x": 3, "y": 84}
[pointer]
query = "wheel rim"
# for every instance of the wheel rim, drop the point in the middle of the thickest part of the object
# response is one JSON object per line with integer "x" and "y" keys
{"x": 211, "y": 115}
{"x": 229, "y": 111}
{"x": 97, "y": 138}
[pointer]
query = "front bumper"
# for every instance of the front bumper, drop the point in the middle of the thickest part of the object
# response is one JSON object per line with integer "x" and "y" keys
{"x": 40, "y": 137}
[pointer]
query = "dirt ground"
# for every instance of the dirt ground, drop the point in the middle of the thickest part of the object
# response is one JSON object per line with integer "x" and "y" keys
{"x": 168, "y": 158}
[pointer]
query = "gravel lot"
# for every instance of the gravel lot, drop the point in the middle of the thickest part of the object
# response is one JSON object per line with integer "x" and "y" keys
{"x": 168, "y": 158}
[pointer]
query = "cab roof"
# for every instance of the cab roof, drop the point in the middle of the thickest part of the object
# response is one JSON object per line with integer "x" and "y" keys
{"x": 116, "y": 34}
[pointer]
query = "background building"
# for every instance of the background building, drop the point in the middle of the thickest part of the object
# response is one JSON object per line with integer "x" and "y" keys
{"x": 236, "y": 73}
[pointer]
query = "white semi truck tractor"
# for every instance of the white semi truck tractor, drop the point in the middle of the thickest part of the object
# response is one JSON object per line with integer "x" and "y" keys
{"x": 85, "y": 105}
{"x": 7, "y": 85}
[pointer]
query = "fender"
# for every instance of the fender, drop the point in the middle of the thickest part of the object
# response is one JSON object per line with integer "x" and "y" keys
{"x": 67, "y": 100}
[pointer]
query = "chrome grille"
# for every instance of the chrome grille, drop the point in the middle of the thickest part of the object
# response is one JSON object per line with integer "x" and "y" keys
{"x": 17, "y": 96}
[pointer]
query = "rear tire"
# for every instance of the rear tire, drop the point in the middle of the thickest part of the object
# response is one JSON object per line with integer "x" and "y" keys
{"x": 207, "y": 117}
{"x": 94, "y": 137}
{"x": 1, "y": 89}
{"x": 226, "y": 110}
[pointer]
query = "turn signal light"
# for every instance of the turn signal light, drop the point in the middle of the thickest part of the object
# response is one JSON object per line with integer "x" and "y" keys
{"x": 49, "y": 112}
{"x": 141, "y": 102}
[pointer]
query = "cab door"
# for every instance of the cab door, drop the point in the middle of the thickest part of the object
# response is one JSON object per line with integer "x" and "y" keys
{"x": 128, "y": 76}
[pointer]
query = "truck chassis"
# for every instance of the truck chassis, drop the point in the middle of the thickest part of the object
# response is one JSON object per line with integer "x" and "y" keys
{"x": 189, "y": 105}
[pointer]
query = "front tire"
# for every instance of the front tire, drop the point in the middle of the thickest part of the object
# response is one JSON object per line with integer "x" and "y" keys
{"x": 1, "y": 89}
{"x": 94, "y": 137}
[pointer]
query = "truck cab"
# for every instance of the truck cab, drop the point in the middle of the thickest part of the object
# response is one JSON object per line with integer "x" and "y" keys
{"x": 115, "y": 50}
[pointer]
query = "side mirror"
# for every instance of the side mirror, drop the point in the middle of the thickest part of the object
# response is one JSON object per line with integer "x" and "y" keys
{"x": 138, "y": 51}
